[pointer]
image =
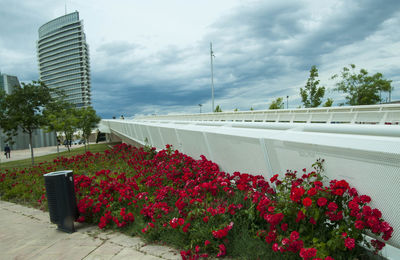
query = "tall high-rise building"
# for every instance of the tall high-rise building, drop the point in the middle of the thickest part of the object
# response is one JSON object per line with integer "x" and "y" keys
{"x": 64, "y": 58}
{"x": 8, "y": 82}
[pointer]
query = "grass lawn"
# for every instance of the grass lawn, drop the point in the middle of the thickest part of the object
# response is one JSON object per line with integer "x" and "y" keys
{"x": 94, "y": 148}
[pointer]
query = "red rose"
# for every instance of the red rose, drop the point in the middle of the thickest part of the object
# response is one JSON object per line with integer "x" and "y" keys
{"x": 307, "y": 202}
{"x": 294, "y": 235}
{"x": 284, "y": 226}
{"x": 312, "y": 191}
{"x": 322, "y": 201}
{"x": 359, "y": 224}
{"x": 349, "y": 243}
{"x": 332, "y": 206}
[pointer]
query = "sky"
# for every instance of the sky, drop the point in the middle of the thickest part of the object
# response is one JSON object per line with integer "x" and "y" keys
{"x": 153, "y": 56}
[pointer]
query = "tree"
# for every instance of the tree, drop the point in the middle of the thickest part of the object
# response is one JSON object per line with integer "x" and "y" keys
{"x": 55, "y": 116}
{"x": 3, "y": 107}
{"x": 218, "y": 109}
{"x": 87, "y": 121}
{"x": 312, "y": 94}
{"x": 277, "y": 104}
{"x": 23, "y": 110}
{"x": 361, "y": 88}
{"x": 328, "y": 103}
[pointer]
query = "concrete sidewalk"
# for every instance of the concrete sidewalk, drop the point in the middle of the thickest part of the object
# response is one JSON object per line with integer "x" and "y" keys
{"x": 27, "y": 233}
{"x": 26, "y": 153}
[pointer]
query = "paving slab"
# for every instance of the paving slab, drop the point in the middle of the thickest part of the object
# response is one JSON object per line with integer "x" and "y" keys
{"x": 27, "y": 233}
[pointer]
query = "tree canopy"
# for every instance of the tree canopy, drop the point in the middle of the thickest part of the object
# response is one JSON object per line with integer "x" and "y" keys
{"x": 277, "y": 104}
{"x": 218, "y": 109}
{"x": 87, "y": 121}
{"x": 23, "y": 109}
{"x": 312, "y": 94}
{"x": 361, "y": 88}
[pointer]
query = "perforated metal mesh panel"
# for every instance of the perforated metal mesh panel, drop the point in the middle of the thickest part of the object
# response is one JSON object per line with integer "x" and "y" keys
{"x": 370, "y": 163}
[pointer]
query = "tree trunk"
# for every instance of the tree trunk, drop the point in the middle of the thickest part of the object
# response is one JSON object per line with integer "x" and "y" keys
{"x": 58, "y": 147}
{"x": 31, "y": 146}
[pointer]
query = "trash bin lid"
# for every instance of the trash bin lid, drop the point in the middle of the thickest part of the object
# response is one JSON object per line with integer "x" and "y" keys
{"x": 57, "y": 173}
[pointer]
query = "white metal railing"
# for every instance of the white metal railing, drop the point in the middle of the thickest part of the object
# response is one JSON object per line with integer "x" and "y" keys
{"x": 370, "y": 114}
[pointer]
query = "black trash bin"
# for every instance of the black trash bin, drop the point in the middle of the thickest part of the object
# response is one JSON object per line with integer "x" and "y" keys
{"x": 61, "y": 199}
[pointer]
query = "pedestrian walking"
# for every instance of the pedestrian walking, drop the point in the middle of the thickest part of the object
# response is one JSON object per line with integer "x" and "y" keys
{"x": 7, "y": 151}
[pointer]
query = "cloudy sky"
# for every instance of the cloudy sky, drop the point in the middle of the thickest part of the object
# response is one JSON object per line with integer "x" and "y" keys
{"x": 153, "y": 56}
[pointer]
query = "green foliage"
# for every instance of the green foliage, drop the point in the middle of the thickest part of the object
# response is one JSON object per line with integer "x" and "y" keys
{"x": 251, "y": 108}
{"x": 218, "y": 109}
{"x": 328, "y": 103}
{"x": 312, "y": 94}
{"x": 23, "y": 109}
{"x": 277, "y": 104}
{"x": 361, "y": 88}
{"x": 87, "y": 121}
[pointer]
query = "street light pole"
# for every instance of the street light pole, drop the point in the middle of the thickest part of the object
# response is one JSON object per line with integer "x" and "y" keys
{"x": 200, "y": 107}
{"x": 212, "y": 77}
{"x": 287, "y": 102}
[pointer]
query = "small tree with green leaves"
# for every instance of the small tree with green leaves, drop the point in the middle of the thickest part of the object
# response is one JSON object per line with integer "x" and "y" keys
{"x": 361, "y": 88}
{"x": 55, "y": 116}
{"x": 328, "y": 102}
{"x": 218, "y": 109}
{"x": 312, "y": 94}
{"x": 23, "y": 110}
{"x": 277, "y": 104}
{"x": 87, "y": 121}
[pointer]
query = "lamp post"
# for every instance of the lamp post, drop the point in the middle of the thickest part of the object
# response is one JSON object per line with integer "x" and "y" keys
{"x": 200, "y": 107}
{"x": 287, "y": 102}
{"x": 212, "y": 77}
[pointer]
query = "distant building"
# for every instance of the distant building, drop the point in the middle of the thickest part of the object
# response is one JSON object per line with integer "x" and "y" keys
{"x": 8, "y": 82}
{"x": 64, "y": 58}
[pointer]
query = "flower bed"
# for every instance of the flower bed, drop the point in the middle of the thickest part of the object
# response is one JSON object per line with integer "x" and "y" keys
{"x": 170, "y": 197}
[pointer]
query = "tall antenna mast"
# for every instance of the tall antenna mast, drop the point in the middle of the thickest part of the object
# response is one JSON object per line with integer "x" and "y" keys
{"x": 65, "y": 7}
{"x": 212, "y": 77}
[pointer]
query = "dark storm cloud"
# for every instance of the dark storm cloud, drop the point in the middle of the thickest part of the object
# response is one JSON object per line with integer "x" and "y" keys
{"x": 263, "y": 50}
{"x": 19, "y": 23}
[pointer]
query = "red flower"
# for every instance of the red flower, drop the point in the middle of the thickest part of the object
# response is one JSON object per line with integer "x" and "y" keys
{"x": 300, "y": 216}
{"x": 332, "y": 206}
{"x": 365, "y": 199}
{"x": 206, "y": 243}
{"x": 377, "y": 244}
{"x": 307, "y": 253}
{"x": 312, "y": 191}
{"x": 294, "y": 235}
{"x": 359, "y": 224}
{"x": 274, "y": 178}
{"x": 205, "y": 219}
{"x": 173, "y": 223}
{"x": 284, "y": 226}
{"x": 349, "y": 243}
{"x": 296, "y": 194}
{"x": 322, "y": 201}
{"x": 307, "y": 202}
{"x": 181, "y": 221}
{"x": 222, "y": 250}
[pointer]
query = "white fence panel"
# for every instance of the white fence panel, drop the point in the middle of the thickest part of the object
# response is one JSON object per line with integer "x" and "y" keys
{"x": 367, "y": 156}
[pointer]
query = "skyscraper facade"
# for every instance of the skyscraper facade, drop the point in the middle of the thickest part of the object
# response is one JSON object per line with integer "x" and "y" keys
{"x": 64, "y": 58}
{"x": 8, "y": 82}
